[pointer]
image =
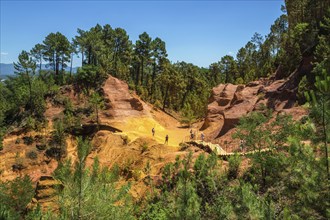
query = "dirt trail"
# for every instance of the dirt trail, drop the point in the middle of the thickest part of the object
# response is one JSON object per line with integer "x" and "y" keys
{"x": 135, "y": 127}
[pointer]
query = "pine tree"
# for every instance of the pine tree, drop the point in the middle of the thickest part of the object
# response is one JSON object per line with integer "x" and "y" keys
{"x": 26, "y": 68}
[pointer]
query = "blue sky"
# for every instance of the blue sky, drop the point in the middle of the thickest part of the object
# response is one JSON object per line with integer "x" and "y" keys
{"x": 200, "y": 32}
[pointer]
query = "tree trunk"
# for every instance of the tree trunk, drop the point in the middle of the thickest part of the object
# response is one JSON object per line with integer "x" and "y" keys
{"x": 142, "y": 74}
{"x": 57, "y": 64}
{"x": 62, "y": 65}
{"x": 30, "y": 88}
{"x": 40, "y": 65}
{"x": 54, "y": 62}
{"x": 165, "y": 97}
{"x": 97, "y": 117}
{"x": 82, "y": 56}
{"x": 153, "y": 81}
{"x": 115, "y": 63}
{"x": 71, "y": 65}
{"x": 137, "y": 75}
{"x": 189, "y": 88}
{"x": 89, "y": 56}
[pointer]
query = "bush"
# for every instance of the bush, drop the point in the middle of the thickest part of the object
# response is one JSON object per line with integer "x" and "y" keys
{"x": 90, "y": 77}
{"x": 30, "y": 124}
{"x": 68, "y": 106}
{"x": 239, "y": 81}
{"x": 38, "y": 138}
{"x": 55, "y": 152}
{"x": 41, "y": 147}
{"x": 125, "y": 139}
{"x": 59, "y": 99}
{"x": 158, "y": 104}
{"x": 183, "y": 146}
{"x": 32, "y": 155}
{"x": 14, "y": 196}
{"x": 28, "y": 140}
{"x": 302, "y": 88}
{"x": 144, "y": 147}
{"x": 58, "y": 135}
{"x": 234, "y": 163}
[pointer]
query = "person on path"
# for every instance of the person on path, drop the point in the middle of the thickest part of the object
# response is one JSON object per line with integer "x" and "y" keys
{"x": 166, "y": 139}
{"x": 241, "y": 144}
{"x": 153, "y": 131}
{"x": 202, "y": 136}
{"x": 191, "y": 134}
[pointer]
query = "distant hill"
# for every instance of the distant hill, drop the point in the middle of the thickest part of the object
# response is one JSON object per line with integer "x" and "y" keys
{"x": 8, "y": 69}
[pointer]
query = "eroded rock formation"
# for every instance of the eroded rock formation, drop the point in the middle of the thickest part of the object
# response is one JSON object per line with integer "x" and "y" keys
{"x": 46, "y": 194}
{"x": 228, "y": 103}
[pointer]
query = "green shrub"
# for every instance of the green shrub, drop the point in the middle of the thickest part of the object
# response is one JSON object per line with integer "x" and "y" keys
{"x": 28, "y": 140}
{"x": 38, "y": 138}
{"x": 239, "y": 81}
{"x": 30, "y": 124}
{"x": 14, "y": 196}
{"x": 32, "y": 155}
{"x": 183, "y": 146}
{"x": 41, "y": 147}
{"x": 58, "y": 135}
{"x": 144, "y": 148}
{"x": 302, "y": 88}
{"x": 234, "y": 163}
{"x": 68, "y": 106}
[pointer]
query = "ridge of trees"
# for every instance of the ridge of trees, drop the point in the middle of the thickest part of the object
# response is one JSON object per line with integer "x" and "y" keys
{"x": 300, "y": 32}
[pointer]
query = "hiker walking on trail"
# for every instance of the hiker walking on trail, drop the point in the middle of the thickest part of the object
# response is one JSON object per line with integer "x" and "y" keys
{"x": 191, "y": 134}
{"x": 166, "y": 139}
{"x": 153, "y": 131}
{"x": 202, "y": 136}
{"x": 241, "y": 143}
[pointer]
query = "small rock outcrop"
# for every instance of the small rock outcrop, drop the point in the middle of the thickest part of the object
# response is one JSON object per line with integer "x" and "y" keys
{"x": 46, "y": 194}
{"x": 120, "y": 101}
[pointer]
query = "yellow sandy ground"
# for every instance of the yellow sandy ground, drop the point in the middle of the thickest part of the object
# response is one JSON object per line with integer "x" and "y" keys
{"x": 135, "y": 127}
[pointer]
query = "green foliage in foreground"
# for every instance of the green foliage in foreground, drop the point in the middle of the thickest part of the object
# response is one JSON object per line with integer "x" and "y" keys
{"x": 287, "y": 182}
{"x": 92, "y": 193}
{"x": 14, "y": 196}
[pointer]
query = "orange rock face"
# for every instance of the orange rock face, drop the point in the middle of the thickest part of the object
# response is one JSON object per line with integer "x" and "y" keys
{"x": 228, "y": 103}
{"x": 120, "y": 102}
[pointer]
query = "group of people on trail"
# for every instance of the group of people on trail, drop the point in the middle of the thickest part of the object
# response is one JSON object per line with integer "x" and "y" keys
{"x": 192, "y": 135}
{"x": 153, "y": 134}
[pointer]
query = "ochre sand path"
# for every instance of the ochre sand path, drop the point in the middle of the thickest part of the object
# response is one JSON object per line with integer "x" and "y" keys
{"x": 135, "y": 127}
